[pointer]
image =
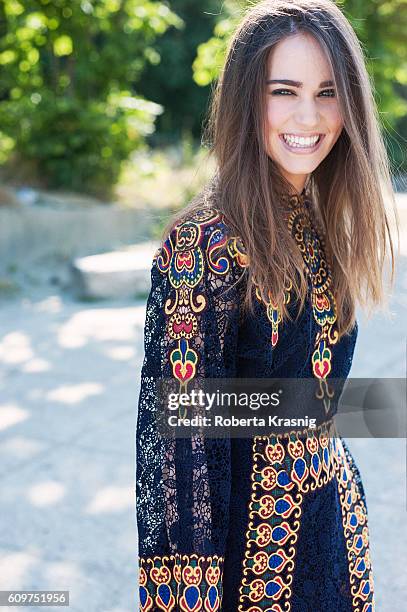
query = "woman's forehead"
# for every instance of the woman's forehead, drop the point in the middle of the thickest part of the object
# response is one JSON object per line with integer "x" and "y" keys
{"x": 299, "y": 57}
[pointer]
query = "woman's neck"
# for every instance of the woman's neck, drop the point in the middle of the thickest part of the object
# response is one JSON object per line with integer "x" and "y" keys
{"x": 300, "y": 187}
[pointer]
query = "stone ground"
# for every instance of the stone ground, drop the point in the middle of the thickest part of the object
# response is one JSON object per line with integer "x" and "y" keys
{"x": 69, "y": 387}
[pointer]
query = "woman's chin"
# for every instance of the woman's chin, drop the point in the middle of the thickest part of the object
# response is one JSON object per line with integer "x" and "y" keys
{"x": 298, "y": 171}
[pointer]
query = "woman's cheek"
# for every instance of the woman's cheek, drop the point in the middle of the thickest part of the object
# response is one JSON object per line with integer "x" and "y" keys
{"x": 275, "y": 115}
{"x": 335, "y": 118}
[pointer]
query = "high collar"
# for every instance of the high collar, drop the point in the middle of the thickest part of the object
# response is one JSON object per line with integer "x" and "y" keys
{"x": 294, "y": 200}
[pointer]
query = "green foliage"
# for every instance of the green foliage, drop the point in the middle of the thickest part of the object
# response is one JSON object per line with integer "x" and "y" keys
{"x": 67, "y": 99}
{"x": 211, "y": 53}
{"x": 169, "y": 82}
{"x": 381, "y": 26}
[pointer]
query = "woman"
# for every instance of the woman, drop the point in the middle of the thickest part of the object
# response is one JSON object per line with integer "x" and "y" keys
{"x": 259, "y": 277}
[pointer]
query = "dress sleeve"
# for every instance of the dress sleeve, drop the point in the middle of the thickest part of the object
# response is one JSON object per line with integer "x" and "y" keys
{"x": 183, "y": 484}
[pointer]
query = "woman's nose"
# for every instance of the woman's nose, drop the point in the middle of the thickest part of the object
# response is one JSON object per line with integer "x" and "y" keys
{"x": 307, "y": 113}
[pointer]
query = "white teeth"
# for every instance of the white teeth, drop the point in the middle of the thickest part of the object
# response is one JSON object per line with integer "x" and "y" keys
{"x": 299, "y": 141}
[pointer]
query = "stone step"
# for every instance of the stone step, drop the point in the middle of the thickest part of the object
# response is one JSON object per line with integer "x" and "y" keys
{"x": 116, "y": 274}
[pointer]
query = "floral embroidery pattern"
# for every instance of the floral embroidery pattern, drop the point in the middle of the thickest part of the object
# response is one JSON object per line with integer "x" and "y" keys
{"x": 312, "y": 248}
{"x": 184, "y": 264}
{"x": 272, "y": 311}
{"x": 237, "y": 250}
{"x": 187, "y": 582}
{"x": 356, "y": 534}
{"x": 283, "y": 470}
{"x": 181, "y": 582}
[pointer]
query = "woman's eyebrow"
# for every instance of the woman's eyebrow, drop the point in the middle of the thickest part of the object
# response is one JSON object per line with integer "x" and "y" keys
{"x": 297, "y": 83}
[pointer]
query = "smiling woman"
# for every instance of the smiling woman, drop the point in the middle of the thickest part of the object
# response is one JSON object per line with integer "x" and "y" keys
{"x": 259, "y": 277}
{"x": 304, "y": 119}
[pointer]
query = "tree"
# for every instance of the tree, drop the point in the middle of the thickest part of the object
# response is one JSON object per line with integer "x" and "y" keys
{"x": 68, "y": 102}
{"x": 169, "y": 81}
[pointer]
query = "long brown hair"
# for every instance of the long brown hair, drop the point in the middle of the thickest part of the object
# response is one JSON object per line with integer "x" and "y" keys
{"x": 349, "y": 188}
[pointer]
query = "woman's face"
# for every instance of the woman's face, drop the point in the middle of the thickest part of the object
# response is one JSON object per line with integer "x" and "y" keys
{"x": 301, "y": 104}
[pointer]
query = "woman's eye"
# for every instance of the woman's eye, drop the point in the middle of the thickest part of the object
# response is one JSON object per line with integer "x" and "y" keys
{"x": 281, "y": 91}
{"x": 330, "y": 93}
{"x": 327, "y": 93}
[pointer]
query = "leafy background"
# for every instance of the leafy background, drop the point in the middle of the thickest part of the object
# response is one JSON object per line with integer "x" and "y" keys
{"x": 89, "y": 86}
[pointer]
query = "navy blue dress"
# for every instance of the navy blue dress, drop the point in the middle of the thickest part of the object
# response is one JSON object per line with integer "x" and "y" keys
{"x": 269, "y": 523}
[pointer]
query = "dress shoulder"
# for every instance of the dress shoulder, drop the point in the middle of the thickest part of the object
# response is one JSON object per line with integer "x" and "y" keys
{"x": 202, "y": 245}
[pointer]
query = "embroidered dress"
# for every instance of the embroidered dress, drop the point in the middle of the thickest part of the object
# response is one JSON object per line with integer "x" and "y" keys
{"x": 271, "y": 523}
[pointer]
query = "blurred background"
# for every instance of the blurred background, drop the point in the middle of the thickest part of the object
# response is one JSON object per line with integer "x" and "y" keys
{"x": 102, "y": 104}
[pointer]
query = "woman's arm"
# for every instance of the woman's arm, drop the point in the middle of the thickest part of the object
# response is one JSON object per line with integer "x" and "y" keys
{"x": 183, "y": 484}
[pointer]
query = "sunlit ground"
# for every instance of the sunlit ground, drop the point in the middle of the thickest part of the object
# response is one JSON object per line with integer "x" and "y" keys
{"x": 69, "y": 378}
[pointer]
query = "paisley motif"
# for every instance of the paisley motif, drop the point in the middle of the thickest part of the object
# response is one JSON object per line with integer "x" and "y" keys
{"x": 217, "y": 241}
{"x": 237, "y": 250}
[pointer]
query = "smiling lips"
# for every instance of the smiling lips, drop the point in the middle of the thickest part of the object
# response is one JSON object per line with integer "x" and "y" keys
{"x": 304, "y": 143}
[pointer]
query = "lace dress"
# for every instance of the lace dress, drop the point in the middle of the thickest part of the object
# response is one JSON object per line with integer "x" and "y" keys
{"x": 267, "y": 523}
